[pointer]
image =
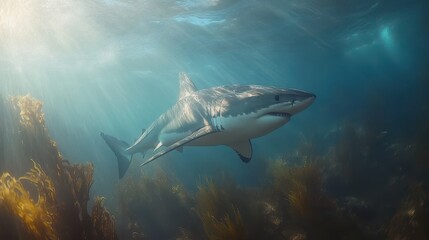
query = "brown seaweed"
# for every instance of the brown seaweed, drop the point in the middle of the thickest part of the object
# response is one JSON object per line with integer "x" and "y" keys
{"x": 227, "y": 227}
{"x": 35, "y": 219}
{"x": 103, "y": 224}
{"x": 411, "y": 220}
{"x": 228, "y": 211}
{"x": 220, "y": 218}
{"x": 305, "y": 200}
{"x": 155, "y": 208}
{"x": 306, "y": 208}
{"x": 61, "y": 188}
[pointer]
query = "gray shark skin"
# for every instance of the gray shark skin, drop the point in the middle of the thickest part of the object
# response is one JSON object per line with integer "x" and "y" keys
{"x": 225, "y": 115}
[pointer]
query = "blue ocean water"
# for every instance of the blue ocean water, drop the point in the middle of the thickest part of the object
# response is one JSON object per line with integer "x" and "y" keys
{"x": 112, "y": 66}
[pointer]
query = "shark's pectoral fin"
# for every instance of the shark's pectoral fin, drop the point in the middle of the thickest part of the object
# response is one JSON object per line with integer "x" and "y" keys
{"x": 180, "y": 149}
{"x": 196, "y": 134}
{"x": 243, "y": 149}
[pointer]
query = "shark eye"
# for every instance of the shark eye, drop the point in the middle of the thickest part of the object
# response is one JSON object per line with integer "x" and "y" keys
{"x": 277, "y": 97}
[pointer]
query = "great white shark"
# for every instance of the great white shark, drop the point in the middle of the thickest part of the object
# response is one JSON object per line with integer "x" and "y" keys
{"x": 225, "y": 115}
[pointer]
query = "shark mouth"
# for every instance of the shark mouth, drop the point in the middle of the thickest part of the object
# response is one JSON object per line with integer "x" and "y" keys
{"x": 280, "y": 114}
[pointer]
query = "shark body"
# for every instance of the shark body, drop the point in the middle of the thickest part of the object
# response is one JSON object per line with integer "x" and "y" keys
{"x": 225, "y": 115}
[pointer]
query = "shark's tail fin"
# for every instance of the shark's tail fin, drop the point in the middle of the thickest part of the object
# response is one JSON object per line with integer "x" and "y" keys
{"x": 118, "y": 147}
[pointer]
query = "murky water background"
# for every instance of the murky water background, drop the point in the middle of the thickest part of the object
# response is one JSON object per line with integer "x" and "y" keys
{"x": 112, "y": 66}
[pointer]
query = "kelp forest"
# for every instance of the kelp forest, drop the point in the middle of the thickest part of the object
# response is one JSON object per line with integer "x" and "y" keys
{"x": 361, "y": 184}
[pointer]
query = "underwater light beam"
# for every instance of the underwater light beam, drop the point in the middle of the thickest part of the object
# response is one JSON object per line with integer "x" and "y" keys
{"x": 386, "y": 36}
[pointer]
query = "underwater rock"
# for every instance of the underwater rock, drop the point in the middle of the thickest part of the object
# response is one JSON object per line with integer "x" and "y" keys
{"x": 60, "y": 187}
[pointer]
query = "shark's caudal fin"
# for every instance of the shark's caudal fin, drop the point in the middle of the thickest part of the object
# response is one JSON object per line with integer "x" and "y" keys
{"x": 118, "y": 147}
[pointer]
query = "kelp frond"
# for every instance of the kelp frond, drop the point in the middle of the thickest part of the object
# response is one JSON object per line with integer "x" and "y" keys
{"x": 58, "y": 185}
{"x": 211, "y": 199}
{"x": 227, "y": 227}
{"x": 155, "y": 207}
{"x": 219, "y": 206}
{"x": 412, "y": 218}
{"x": 185, "y": 234}
{"x": 306, "y": 207}
{"x": 43, "y": 183}
{"x": 36, "y": 218}
{"x": 304, "y": 195}
{"x": 79, "y": 179}
{"x": 30, "y": 111}
{"x": 102, "y": 222}
{"x": 295, "y": 179}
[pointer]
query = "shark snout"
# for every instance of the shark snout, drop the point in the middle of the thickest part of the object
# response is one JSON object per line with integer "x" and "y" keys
{"x": 302, "y": 101}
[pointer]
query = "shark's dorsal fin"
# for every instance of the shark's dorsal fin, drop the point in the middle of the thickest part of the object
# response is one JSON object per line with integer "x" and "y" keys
{"x": 187, "y": 87}
{"x": 243, "y": 149}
